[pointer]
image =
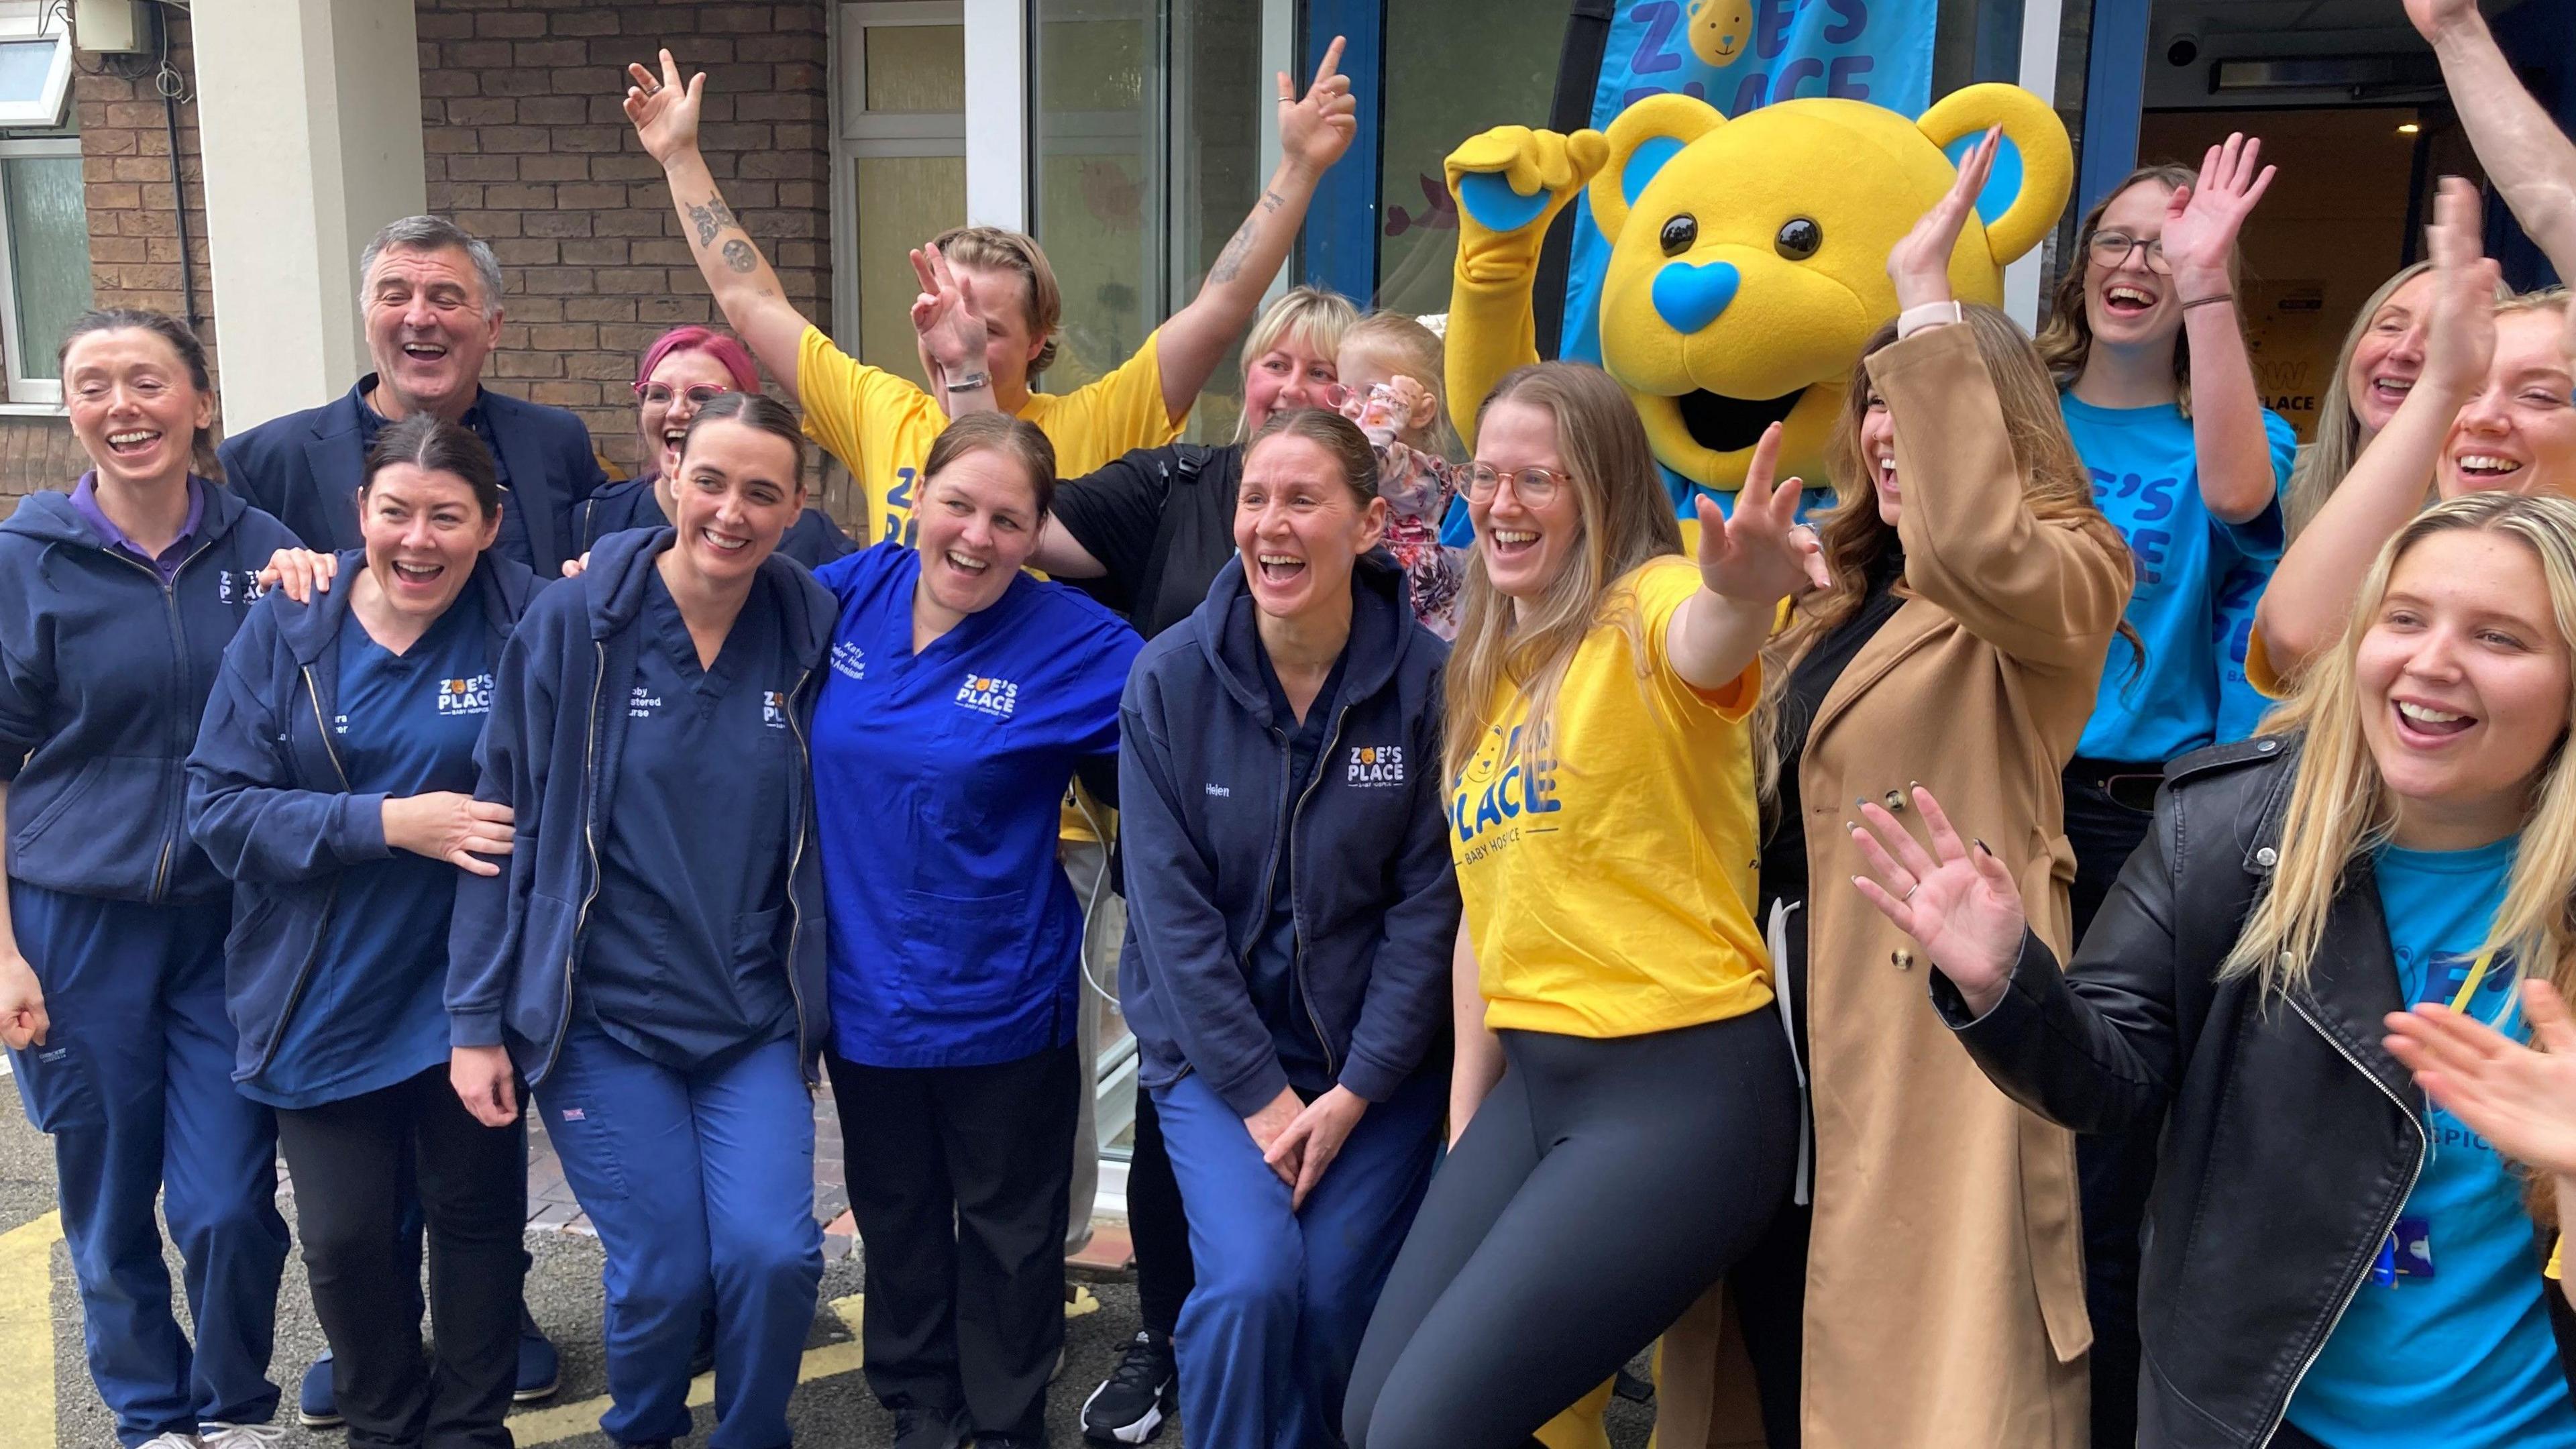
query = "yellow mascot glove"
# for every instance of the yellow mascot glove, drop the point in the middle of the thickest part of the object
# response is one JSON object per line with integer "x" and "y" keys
{"x": 1510, "y": 183}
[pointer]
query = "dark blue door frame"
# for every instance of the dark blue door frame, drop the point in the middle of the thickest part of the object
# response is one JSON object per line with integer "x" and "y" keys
{"x": 2115, "y": 89}
{"x": 1339, "y": 246}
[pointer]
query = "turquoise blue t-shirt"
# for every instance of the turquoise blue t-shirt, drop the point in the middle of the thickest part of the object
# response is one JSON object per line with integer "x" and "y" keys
{"x": 2457, "y": 1349}
{"x": 2147, "y": 481}
{"x": 2240, "y": 705}
{"x": 372, "y": 1013}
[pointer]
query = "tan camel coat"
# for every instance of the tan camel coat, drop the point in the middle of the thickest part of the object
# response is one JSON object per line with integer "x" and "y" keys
{"x": 1945, "y": 1284}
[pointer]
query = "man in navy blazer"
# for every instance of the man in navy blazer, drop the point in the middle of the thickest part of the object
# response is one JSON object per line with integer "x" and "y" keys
{"x": 432, "y": 299}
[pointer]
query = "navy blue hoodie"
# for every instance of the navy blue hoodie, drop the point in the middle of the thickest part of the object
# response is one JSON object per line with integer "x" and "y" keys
{"x": 550, "y": 752}
{"x": 267, "y": 799}
{"x": 103, "y": 675}
{"x": 812, "y": 540}
{"x": 1203, "y": 781}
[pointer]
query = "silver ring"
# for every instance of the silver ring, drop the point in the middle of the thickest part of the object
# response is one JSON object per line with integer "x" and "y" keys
{"x": 1909, "y": 895}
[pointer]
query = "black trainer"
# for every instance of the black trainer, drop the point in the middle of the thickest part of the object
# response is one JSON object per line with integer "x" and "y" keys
{"x": 923, "y": 1429}
{"x": 1130, "y": 1406}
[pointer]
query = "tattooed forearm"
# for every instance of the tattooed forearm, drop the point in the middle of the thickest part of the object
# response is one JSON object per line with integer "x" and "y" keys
{"x": 739, "y": 255}
{"x": 711, "y": 220}
{"x": 1229, "y": 262}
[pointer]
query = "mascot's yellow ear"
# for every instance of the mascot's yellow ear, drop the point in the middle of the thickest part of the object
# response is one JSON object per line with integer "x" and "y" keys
{"x": 2034, "y": 168}
{"x": 1642, "y": 139}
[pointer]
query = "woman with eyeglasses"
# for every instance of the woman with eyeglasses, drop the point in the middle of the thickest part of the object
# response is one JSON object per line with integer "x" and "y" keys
{"x": 2158, "y": 393}
{"x": 685, "y": 369}
{"x": 1623, "y": 1109}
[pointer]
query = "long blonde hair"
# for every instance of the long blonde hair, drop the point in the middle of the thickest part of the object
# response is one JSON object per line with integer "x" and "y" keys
{"x": 2340, "y": 809}
{"x": 2323, "y": 463}
{"x": 1623, "y": 518}
{"x": 2056, "y": 488}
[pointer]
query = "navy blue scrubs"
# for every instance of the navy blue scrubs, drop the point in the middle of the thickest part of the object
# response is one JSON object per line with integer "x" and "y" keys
{"x": 684, "y": 961}
{"x": 681, "y": 1062}
{"x": 372, "y": 1012}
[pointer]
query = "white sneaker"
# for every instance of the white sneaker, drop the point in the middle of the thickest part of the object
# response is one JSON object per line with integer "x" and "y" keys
{"x": 241, "y": 1436}
{"x": 172, "y": 1440}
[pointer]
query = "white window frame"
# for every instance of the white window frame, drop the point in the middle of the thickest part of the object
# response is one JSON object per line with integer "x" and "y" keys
{"x": 46, "y": 110}
{"x": 42, "y": 395}
{"x": 857, "y": 132}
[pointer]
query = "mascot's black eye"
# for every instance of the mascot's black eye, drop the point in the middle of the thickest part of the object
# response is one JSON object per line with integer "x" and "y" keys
{"x": 1679, "y": 234}
{"x": 1798, "y": 239}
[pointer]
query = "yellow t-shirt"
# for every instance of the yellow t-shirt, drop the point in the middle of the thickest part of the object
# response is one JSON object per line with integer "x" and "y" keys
{"x": 1609, "y": 892}
{"x": 881, "y": 426}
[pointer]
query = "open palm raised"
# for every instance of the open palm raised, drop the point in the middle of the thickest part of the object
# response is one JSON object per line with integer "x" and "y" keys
{"x": 1957, "y": 901}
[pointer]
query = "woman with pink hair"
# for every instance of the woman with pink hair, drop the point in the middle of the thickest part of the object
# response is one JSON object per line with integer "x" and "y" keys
{"x": 684, "y": 369}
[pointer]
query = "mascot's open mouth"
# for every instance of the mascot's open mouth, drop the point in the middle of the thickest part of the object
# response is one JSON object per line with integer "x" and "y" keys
{"x": 1731, "y": 424}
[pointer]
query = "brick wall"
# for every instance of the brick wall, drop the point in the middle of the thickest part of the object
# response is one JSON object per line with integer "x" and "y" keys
{"x": 528, "y": 148}
{"x": 133, "y": 229}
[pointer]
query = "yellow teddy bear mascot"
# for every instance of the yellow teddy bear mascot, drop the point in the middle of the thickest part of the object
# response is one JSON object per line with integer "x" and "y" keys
{"x": 1748, "y": 268}
{"x": 1748, "y": 257}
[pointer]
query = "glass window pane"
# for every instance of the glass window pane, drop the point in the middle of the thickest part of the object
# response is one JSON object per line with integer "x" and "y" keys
{"x": 1497, "y": 67}
{"x": 23, "y": 67}
{"x": 916, "y": 67}
{"x": 1099, "y": 145}
{"x": 901, "y": 202}
{"x": 48, "y": 254}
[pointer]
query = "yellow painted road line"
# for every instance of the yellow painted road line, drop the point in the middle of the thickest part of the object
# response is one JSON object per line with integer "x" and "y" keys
{"x": 571, "y": 1421}
{"x": 27, "y": 1330}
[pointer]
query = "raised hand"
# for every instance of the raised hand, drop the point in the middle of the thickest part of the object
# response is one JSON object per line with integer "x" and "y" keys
{"x": 1315, "y": 131}
{"x": 2521, "y": 1100}
{"x": 1512, "y": 180}
{"x": 1760, "y": 556}
{"x": 1958, "y": 902}
{"x": 664, "y": 111}
{"x": 1919, "y": 263}
{"x": 301, "y": 572}
{"x": 2459, "y": 339}
{"x": 945, "y": 315}
{"x": 2202, "y": 219}
{"x": 2432, "y": 17}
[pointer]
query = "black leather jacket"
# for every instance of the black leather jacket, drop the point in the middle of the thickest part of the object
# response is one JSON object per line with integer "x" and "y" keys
{"x": 2293, "y": 1137}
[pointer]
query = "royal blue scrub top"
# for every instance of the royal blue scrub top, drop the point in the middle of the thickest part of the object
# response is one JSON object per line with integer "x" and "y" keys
{"x": 684, "y": 958}
{"x": 372, "y": 1014}
{"x": 955, "y": 938}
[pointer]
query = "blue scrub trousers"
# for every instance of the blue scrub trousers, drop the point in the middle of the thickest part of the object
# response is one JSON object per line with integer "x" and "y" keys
{"x": 701, "y": 1185}
{"x": 1270, "y": 1330}
{"x": 135, "y": 1083}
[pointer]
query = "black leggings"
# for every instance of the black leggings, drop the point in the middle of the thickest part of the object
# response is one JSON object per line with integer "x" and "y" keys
{"x": 354, "y": 1163}
{"x": 1602, "y": 1187}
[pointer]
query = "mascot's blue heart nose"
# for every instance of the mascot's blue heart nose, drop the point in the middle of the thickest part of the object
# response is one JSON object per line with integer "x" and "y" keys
{"x": 1689, "y": 298}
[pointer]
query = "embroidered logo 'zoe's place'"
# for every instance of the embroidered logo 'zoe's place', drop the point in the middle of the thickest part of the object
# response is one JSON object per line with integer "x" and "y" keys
{"x": 987, "y": 695}
{"x": 773, "y": 709}
{"x": 1376, "y": 765}
{"x": 465, "y": 696}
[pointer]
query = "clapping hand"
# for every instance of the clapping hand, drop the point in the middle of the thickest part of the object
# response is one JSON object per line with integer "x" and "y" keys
{"x": 2459, "y": 338}
{"x": 1919, "y": 263}
{"x": 2523, "y": 1101}
{"x": 1957, "y": 901}
{"x": 1762, "y": 554}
